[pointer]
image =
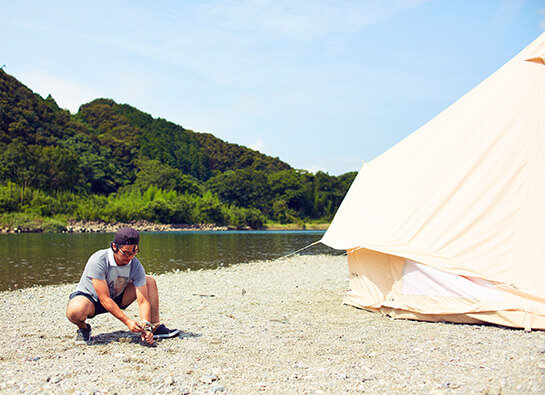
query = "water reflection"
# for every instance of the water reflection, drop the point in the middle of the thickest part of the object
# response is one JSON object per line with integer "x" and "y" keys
{"x": 29, "y": 259}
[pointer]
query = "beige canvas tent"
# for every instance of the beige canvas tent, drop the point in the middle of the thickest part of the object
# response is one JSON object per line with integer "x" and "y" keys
{"x": 449, "y": 224}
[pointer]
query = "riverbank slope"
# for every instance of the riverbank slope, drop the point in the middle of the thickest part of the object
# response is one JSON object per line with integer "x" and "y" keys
{"x": 275, "y": 326}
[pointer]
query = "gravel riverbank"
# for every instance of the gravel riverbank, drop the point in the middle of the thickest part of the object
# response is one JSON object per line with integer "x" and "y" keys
{"x": 101, "y": 227}
{"x": 277, "y": 327}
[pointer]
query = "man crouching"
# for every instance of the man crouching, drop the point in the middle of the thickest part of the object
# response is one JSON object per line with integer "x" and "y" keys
{"x": 114, "y": 278}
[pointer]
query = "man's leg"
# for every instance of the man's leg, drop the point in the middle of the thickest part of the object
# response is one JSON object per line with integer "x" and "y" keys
{"x": 153, "y": 295}
{"x": 160, "y": 331}
{"x": 78, "y": 309}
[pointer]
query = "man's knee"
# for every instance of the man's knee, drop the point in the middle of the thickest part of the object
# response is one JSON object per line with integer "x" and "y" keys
{"x": 79, "y": 308}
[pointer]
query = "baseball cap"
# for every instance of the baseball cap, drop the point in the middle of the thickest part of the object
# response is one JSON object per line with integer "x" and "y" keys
{"x": 126, "y": 236}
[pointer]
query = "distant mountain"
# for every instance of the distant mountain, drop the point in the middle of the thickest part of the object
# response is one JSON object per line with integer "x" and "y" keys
{"x": 198, "y": 154}
{"x": 26, "y": 115}
{"x": 99, "y": 148}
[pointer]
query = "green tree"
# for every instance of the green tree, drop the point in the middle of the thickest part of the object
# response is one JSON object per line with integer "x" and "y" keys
{"x": 18, "y": 164}
{"x": 209, "y": 210}
{"x": 243, "y": 188}
{"x": 295, "y": 189}
{"x": 153, "y": 173}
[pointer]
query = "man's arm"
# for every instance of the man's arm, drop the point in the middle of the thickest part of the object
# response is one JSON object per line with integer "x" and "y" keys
{"x": 101, "y": 287}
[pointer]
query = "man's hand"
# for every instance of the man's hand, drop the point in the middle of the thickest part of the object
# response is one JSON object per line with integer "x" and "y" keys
{"x": 137, "y": 327}
{"x": 134, "y": 326}
{"x": 147, "y": 336}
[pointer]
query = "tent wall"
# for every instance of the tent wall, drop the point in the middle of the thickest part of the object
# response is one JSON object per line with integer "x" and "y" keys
{"x": 462, "y": 197}
{"x": 401, "y": 288}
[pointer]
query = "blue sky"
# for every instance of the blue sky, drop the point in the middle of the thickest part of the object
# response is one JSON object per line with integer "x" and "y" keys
{"x": 321, "y": 84}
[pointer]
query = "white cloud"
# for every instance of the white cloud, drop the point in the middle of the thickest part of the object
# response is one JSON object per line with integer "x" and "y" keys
{"x": 67, "y": 93}
{"x": 127, "y": 87}
{"x": 316, "y": 168}
{"x": 258, "y": 146}
{"x": 304, "y": 19}
{"x": 542, "y": 23}
{"x": 507, "y": 12}
{"x": 229, "y": 42}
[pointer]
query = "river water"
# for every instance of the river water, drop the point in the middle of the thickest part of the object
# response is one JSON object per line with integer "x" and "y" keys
{"x": 42, "y": 259}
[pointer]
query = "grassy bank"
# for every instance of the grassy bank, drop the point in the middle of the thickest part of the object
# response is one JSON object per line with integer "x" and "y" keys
{"x": 32, "y": 223}
{"x": 33, "y": 210}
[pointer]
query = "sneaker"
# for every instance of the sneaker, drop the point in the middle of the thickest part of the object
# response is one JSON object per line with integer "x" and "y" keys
{"x": 83, "y": 336}
{"x": 162, "y": 332}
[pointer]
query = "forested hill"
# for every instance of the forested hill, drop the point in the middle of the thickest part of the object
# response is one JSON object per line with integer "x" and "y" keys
{"x": 105, "y": 129}
{"x": 113, "y": 162}
{"x": 197, "y": 154}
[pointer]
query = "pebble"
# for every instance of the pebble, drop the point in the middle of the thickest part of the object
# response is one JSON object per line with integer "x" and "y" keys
{"x": 55, "y": 379}
{"x": 209, "y": 378}
{"x": 217, "y": 388}
{"x": 158, "y": 380}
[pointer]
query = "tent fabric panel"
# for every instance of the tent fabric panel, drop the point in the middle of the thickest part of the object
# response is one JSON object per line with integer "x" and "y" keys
{"x": 529, "y": 267}
{"x": 536, "y": 53}
{"x": 372, "y": 276}
{"x": 424, "y": 280}
{"x": 512, "y": 319}
{"x": 378, "y": 282}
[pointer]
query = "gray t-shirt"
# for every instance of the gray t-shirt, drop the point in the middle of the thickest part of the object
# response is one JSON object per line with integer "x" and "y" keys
{"x": 101, "y": 265}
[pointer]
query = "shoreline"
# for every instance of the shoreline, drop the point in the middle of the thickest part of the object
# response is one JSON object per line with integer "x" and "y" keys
{"x": 264, "y": 326}
{"x": 146, "y": 226}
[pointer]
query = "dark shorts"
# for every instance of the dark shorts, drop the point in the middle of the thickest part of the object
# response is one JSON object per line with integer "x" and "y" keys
{"x": 99, "y": 309}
